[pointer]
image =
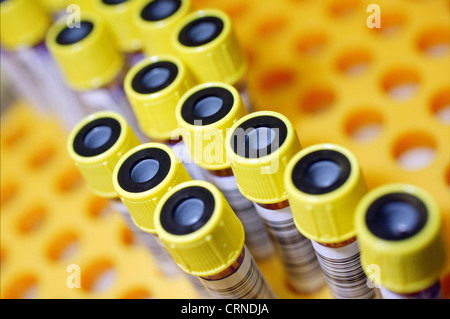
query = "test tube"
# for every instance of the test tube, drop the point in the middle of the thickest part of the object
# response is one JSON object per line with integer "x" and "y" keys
{"x": 400, "y": 235}
{"x": 92, "y": 64}
{"x": 206, "y": 239}
{"x": 141, "y": 177}
{"x": 324, "y": 184}
{"x": 96, "y": 145}
{"x": 118, "y": 15}
{"x": 55, "y": 7}
{"x": 259, "y": 146}
{"x": 204, "y": 113}
{"x": 29, "y": 65}
{"x": 206, "y": 41}
{"x": 153, "y": 87}
{"x": 155, "y": 21}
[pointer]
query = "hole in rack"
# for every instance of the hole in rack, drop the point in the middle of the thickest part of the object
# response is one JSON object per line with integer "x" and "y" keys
{"x": 440, "y": 106}
{"x": 277, "y": 79}
{"x": 272, "y": 27}
{"x": 8, "y": 191}
{"x": 14, "y": 135}
{"x": 70, "y": 180}
{"x": 344, "y": 8}
{"x": 23, "y": 287}
{"x": 42, "y": 157}
{"x": 354, "y": 62}
{"x": 391, "y": 23}
{"x": 447, "y": 176}
{"x": 237, "y": 10}
{"x": 401, "y": 84}
{"x": 414, "y": 151}
{"x": 364, "y": 126}
{"x": 317, "y": 100}
{"x": 63, "y": 246}
{"x": 311, "y": 44}
{"x": 137, "y": 293}
{"x": 98, "y": 207}
{"x": 435, "y": 42}
{"x": 126, "y": 235}
{"x": 32, "y": 219}
{"x": 99, "y": 276}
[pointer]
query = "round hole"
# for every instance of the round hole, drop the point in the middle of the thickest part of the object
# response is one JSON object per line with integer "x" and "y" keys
{"x": 401, "y": 84}
{"x": 189, "y": 211}
{"x": 271, "y": 27}
{"x": 63, "y": 247}
{"x": 32, "y": 219}
{"x": 414, "y": 151}
{"x": 317, "y": 100}
{"x": 14, "y": 135}
{"x": 126, "y": 235}
{"x": 344, "y": 8}
{"x": 391, "y": 23}
{"x": 97, "y": 137}
{"x": 99, "y": 276}
{"x": 447, "y": 176}
{"x": 277, "y": 79}
{"x": 364, "y": 126}
{"x": 208, "y": 106}
{"x": 144, "y": 170}
{"x": 440, "y": 106}
{"x": 311, "y": 44}
{"x": 69, "y": 180}
{"x": 7, "y": 193}
{"x": 354, "y": 62}
{"x": 23, "y": 287}
{"x": 98, "y": 207}
{"x": 137, "y": 293}
{"x": 435, "y": 42}
{"x": 42, "y": 157}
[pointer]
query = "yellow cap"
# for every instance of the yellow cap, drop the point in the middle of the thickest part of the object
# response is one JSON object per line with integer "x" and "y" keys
{"x": 204, "y": 114}
{"x": 23, "y": 23}
{"x": 119, "y": 17}
{"x": 324, "y": 184}
{"x": 206, "y": 241}
{"x": 88, "y": 56}
{"x": 85, "y": 5}
{"x": 96, "y": 144}
{"x": 153, "y": 87}
{"x": 399, "y": 230}
{"x": 258, "y": 147}
{"x": 142, "y": 176}
{"x": 206, "y": 41}
{"x": 155, "y": 20}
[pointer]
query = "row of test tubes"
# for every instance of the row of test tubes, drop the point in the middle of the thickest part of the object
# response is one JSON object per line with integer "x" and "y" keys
{"x": 161, "y": 123}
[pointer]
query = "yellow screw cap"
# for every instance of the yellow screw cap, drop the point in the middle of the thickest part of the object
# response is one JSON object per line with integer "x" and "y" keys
{"x": 199, "y": 228}
{"x": 54, "y": 5}
{"x": 23, "y": 23}
{"x": 259, "y": 147}
{"x": 153, "y": 87}
{"x": 399, "y": 231}
{"x": 142, "y": 176}
{"x": 96, "y": 144}
{"x": 87, "y": 55}
{"x": 204, "y": 114}
{"x": 156, "y": 20}
{"x": 86, "y": 6}
{"x": 119, "y": 17}
{"x": 206, "y": 41}
{"x": 324, "y": 184}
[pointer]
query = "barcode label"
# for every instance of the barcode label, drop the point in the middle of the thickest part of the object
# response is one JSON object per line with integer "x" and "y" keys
{"x": 343, "y": 272}
{"x": 246, "y": 282}
{"x": 256, "y": 237}
{"x": 295, "y": 251}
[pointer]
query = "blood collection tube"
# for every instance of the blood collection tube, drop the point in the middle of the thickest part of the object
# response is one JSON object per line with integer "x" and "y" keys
{"x": 155, "y": 21}
{"x": 92, "y": 64}
{"x": 206, "y": 239}
{"x": 56, "y": 8}
{"x": 96, "y": 145}
{"x": 204, "y": 113}
{"x": 205, "y": 40}
{"x": 259, "y": 146}
{"x": 324, "y": 184}
{"x": 118, "y": 15}
{"x": 28, "y": 64}
{"x": 141, "y": 177}
{"x": 400, "y": 235}
{"x": 153, "y": 87}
